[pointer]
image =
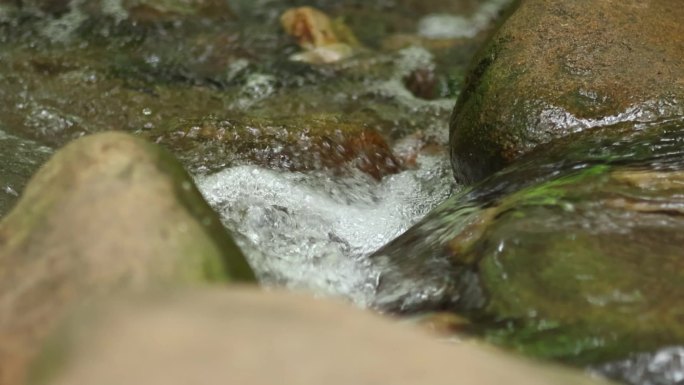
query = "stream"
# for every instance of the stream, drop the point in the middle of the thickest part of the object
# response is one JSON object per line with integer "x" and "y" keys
{"x": 319, "y": 167}
{"x": 314, "y": 231}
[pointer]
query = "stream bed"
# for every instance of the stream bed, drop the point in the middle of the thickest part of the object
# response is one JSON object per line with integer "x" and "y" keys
{"x": 319, "y": 156}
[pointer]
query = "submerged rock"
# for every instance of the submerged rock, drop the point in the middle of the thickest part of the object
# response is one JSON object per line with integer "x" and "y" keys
{"x": 142, "y": 11}
{"x": 108, "y": 212}
{"x": 249, "y": 337}
{"x": 296, "y": 144}
{"x": 573, "y": 253}
{"x": 561, "y": 67}
{"x": 19, "y": 159}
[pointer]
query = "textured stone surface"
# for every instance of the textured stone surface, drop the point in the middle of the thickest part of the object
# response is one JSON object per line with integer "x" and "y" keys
{"x": 573, "y": 253}
{"x": 108, "y": 212}
{"x": 243, "y": 336}
{"x": 559, "y": 67}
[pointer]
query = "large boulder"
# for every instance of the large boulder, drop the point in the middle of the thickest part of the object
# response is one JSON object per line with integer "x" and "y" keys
{"x": 573, "y": 253}
{"x": 108, "y": 212}
{"x": 558, "y": 67}
{"x": 243, "y": 336}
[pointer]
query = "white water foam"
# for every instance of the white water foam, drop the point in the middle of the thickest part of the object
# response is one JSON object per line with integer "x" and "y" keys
{"x": 447, "y": 26}
{"x": 314, "y": 231}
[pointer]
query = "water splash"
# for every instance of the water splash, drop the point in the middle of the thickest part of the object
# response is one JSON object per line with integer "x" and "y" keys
{"x": 314, "y": 231}
{"x": 553, "y": 117}
{"x": 664, "y": 367}
{"x": 19, "y": 158}
{"x": 446, "y": 26}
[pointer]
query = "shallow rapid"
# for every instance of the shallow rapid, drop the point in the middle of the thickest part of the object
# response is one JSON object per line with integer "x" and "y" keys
{"x": 313, "y": 231}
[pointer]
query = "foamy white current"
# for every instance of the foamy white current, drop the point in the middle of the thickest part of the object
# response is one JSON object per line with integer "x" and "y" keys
{"x": 313, "y": 231}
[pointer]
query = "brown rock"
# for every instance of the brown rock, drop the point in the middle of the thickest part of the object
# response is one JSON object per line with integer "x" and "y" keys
{"x": 243, "y": 336}
{"x": 558, "y": 67}
{"x": 311, "y": 27}
{"x": 323, "y": 40}
{"x": 108, "y": 212}
{"x": 311, "y": 142}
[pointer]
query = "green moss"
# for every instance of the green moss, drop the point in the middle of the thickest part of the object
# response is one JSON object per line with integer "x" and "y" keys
{"x": 554, "y": 191}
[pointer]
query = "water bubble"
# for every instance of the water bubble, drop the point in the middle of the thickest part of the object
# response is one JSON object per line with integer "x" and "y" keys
{"x": 10, "y": 191}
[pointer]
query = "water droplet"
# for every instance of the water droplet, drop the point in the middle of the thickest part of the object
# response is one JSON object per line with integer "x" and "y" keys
{"x": 9, "y": 190}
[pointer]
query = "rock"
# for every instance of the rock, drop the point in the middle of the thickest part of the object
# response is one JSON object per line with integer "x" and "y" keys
{"x": 572, "y": 254}
{"x": 442, "y": 324}
{"x": 558, "y": 67}
{"x": 108, "y": 212}
{"x": 19, "y": 159}
{"x": 51, "y": 7}
{"x": 248, "y": 337}
{"x": 314, "y": 142}
{"x": 311, "y": 27}
{"x": 324, "y": 40}
{"x": 146, "y": 11}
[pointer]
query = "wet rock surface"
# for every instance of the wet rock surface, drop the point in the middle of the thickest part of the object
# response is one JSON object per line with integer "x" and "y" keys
{"x": 107, "y": 213}
{"x": 324, "y": 142}
{"x": 98, "y": 67}
{"x": 220, "y": 336}
{"x": 557, "y": 67}
{"x": 572, "y": 253}
{"x": 19, "y": 158}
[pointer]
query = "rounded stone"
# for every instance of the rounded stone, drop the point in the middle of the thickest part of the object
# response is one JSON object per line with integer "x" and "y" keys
{"x": 554, "y": 68}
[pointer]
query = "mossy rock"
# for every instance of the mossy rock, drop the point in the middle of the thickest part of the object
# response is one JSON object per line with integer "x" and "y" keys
{"x": 554, "y": 68}
{"x": 573, "y": 253}
{"x": 107, "y": 213}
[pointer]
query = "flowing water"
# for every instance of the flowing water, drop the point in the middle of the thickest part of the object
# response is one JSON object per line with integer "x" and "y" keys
{"x": 311, "y": 230}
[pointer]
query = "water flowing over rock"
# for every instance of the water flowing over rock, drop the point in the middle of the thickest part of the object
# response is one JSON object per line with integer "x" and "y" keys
{"x": 561, "y": 67}
{"x": 248, "y": 337}
{"x": 572, "y": 253}
{"x": 108, "y": 212}
{"x": 309, "y": 231}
